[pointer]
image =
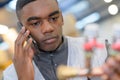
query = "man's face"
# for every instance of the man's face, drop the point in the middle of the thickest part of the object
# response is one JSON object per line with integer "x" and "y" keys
{"x": 44, "y": 21}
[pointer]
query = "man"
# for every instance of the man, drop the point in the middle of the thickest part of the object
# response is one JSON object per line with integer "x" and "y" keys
{"x": 42, "y": 22}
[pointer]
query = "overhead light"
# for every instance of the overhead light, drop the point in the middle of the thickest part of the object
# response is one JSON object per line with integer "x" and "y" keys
{"x": 113, "y": 9}
{"x": 12, "y": 5}
{"x": 78, "y": 7}
{"x": 3, "y": 29}
{"x": 108, "y": 1}
{"x": 89, "y": 19}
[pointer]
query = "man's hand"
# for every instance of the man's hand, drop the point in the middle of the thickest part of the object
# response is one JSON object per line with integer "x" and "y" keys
{"x": 112, "y": 68}
{"x": 23, "y": 56}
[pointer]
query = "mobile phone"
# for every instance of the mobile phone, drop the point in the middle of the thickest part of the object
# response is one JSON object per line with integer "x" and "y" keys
{"x": 29, "y": 36}
{"x": 19, "y": 28}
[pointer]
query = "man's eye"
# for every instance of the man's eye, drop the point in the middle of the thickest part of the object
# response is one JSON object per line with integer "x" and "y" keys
{"x": 53, "y": 19}
{"x": 36, "y": 24}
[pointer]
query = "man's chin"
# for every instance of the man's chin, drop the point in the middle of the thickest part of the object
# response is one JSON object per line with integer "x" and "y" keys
{"x": 50, "y": 49}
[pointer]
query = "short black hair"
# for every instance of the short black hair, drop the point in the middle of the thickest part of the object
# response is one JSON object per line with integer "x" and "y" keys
{"x": 21, "y": 3}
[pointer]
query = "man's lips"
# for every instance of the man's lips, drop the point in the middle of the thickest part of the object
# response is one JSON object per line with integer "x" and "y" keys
{"x": 50, "y": 40}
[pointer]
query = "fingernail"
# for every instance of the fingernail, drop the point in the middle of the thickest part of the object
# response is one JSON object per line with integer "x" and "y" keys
{"x": 27, "y": 31}
{"x": 23, "y": 28}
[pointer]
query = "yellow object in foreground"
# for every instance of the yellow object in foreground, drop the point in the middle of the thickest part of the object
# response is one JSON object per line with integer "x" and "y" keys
{"x": 5, "y": 60}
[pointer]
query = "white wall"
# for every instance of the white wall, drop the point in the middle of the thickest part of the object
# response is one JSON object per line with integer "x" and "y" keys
{"x": 106, "y": 26}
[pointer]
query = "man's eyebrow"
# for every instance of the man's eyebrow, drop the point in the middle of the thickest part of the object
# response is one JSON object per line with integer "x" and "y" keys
{"x": 53, "y": 13}
{"x": 33, "y": 18}
{"x": 37, "y": 18}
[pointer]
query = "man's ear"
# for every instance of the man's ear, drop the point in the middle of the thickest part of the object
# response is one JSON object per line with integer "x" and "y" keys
{"x": 62, "y": 19}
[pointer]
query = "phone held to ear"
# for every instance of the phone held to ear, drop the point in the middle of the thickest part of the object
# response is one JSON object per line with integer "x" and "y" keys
{"x": 19, "y": 28}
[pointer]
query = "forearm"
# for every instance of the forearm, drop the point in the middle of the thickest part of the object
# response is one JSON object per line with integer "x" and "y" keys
{"x": 25, "y": 78}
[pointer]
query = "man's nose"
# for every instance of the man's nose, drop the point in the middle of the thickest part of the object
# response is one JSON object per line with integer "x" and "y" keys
{"x": 47, "y": 27}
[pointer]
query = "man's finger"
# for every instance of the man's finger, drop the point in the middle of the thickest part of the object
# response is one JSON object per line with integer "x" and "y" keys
{"x": 24, "y": 38}
{"x": 17, "y": 41}
{"x": 98, "y": 71}
{"x": 22, "y": 31}
{"x": 27, "y": 47}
